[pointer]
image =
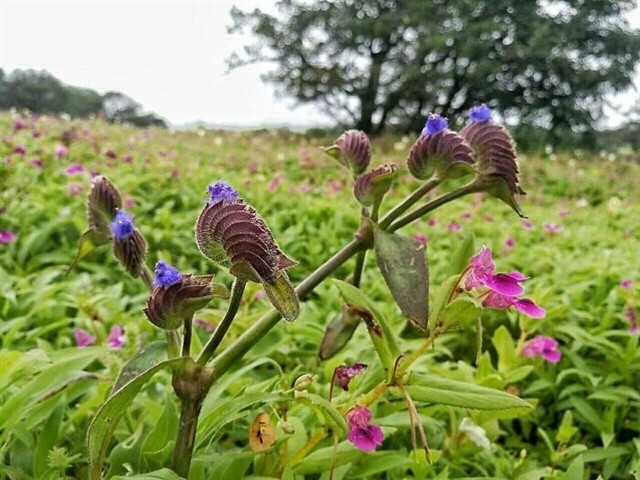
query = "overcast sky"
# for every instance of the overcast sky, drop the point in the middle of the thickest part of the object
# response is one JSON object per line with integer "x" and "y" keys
{"x": 169, "y": 56}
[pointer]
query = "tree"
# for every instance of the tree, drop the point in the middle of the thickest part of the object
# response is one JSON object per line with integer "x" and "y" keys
{"x": 376, "y": 63}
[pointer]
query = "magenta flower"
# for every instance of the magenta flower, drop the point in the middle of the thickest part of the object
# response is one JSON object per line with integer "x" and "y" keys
{"x": 524, "y": 305}
{"x": 19, "y": 125}
{"x": 509, "y": 242}
{"x": 60, "y": 151}
{"x": 420, "y": 238}
{"x": 345, "y": 373}
{"x": 541, "y": 346}
{"x": 74, "y": 169}
{"x": 564, "y": 213}
{"x": 626, "y": 283}
{"x": 129, "y": 202}
{"x": 634, "y": 328}
{"x": 363, "y": 434}
{"x": 83, "y": 339}
{"x": 275, "y": 182}
{"x": 432, "y": 222}
{"x": 7, "y": 236}
{"x": 454, "y": 227}
{"x": 74, "y": 189}
{"x": 20, "y": 150}
{"x": 116, "y": 337}
{"x": 552, "y": 227}
{"x": 466, "y": 215}
{"x": 127, "y": 159}
{"x": 36, "y": 162}
{"x": 481, "y": 272}
{"x": 527, "y": 224}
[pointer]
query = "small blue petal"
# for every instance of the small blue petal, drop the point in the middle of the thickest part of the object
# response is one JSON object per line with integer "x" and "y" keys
{"x": 480, "y": 113}
{"x": 122, "y": 226}
{"x": 166, "y": 275}
{"x": 435, "y": 124}
{"x": 221, "y": 190}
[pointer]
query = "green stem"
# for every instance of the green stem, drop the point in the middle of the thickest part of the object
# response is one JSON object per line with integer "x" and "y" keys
{"x": 408, "y": 202}
{"x": 186, "y": 339}
{"x": 215, "y": 340}
{"x": 432, "y": 205}
{"x": 357, "y": 271}
{"x": 183, "y": 450}
{"x": 253, "y": 334}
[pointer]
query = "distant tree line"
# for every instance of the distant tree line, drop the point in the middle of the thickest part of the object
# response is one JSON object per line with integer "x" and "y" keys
{"x": 41, "y": 92}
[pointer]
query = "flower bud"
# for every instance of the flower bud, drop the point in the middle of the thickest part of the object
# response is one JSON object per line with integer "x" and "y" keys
{"x": 370, "y": 187}
{"x": 496, "y": 161}
{"x": 444, "y": 153}
{"x": 303, "y": 382}
{"x": 104, "y": 201}
{"x": 170, "y": 305}
{"x": 128, "y": 245}
{"x": 353, "y": 150}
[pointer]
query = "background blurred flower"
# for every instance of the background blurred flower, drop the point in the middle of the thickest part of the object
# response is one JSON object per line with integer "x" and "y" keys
{"x": 61, "y": 151}
{"x": 7, "y": 236}
{"x": 83, "y": 339}
{"x": 74, "y": 169}
{"x": 116, "y": 337}
{"x": 74, "y": 189}
{"x": 542, "y": 346}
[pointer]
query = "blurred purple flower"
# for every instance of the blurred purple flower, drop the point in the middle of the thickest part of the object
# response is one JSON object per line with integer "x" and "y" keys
{"x": 36, "y": 162}
{"x": 7, "y": 236}
{"x": 363, "y": 434}
{"x": 524, "y": 305}
{"x": 552, "y": 227}
{"x": 127, "y": 159}
{"x": 420, "y": 238}
{"x": 275, "y": 182}
{"x": 61, "y": 151}
{"x": 83, "y": 339}
{"x": 116, "y": 337}
{"x": 74, "y": 189}
{"x": 626, "y": 283}
{"x": 480, "y": 113}
{"x": 509, "y": 243}
{"x": 345, "y": 373}
{"x": 432, "y": 222}
{"x": 541, "y": 346}
{"x": 207, "y": 325}
{"x": 630, "y": 314}
{"x": 466, "y": 215}
{"x": 454, "y": 227}
{"x": 36, "y": 134}
{"x": 527, "y": 224}
{"x": 111, "y": 154}
{"x": 129, "y": 202}
{"x": 564, "y": 213}
{"x": 19, "y": 125}
{"x": 20, "y": 150}
{"x": 435, "y": 124}
{"x": 74, "y": 169}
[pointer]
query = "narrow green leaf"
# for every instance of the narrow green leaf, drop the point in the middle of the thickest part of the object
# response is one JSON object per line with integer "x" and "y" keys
{"x": 283, "y": 297}
{"x": 462, "y": 255}
{"x": 164, "y": 474}
{"x": 441, "y": 299}
{"x": 338, "y": 333}
{"x": 328, "y": 411}
{"x": 319, "y": 460}
{"x": 150, "y": 355}
{"x": 48, "y": 437}
{"x": 439, "y": 390}
{"x": 104, "y": 423}
{"x": 85, "y": 247}
{"x": 403, "y": 264}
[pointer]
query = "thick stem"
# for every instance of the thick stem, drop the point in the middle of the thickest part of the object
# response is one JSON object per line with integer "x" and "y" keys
{"x": 215, "y": 340}
{"x": 186, "y": 339}
{"x": 432, "y": 205}
{"x": 357, "y": 271}
{"x": 253, "y": 334}
{"x": 408, "y": 202}
{"x": 185, "y": 440}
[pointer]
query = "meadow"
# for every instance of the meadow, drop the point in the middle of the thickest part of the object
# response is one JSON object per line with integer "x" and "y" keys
{"x": 580, "y": 246}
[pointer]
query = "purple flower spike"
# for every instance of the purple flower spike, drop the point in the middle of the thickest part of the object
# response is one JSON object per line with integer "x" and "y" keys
{"x": 116, "y": 338}
{"x": 122, "y": 226}
{"x": 166, "y": 275}
{"x": 541, "y": 346}
{"x": 364, "y": 435}
{"x": 83, "y": 339}
{"x": 480, "y": 113}
{"x": 221, "y": 191}
{"x": 435, "y": 124}
{"x": 345, "y": 373}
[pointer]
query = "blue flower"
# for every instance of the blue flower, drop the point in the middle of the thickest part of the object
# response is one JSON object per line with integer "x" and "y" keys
{"x": 221, "y": 190}
{"x": 166, "y": 275}
{"x": 480, "y": 113}
{"x": 435, "y": 124}
{"x": 122, "y": 226}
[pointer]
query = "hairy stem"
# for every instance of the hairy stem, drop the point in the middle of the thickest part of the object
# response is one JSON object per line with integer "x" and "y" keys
{"x": 186, "y": 437}
{"x": 234, "y": 304}
{"x": 432, "y": 205}
{"x": 253, "y": 334}
{"x": 408, "y": 202}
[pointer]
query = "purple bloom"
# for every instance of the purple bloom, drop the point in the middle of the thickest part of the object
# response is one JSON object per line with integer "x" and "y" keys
{"x": 7, "y": 236}
{"x": 524, "y": 305}
{"x": 111, "y": 154}
{"x": 20, "y": 150}
{"x": 634, "y": 328}
{"x": 74, "y": 169}
{"x": 626, "y": 283}
{"x": 345, "y": 373}
{"x": 527, "y": 224}
{"x": 435, "y": 124}
{"x": 129, "y": 202}
{"x": 420, "y": 238}
{"x": 509, "y": 242}
{"x": 541, "y": 346}
{"x": 222, "y": 191}
{"x": 363, "y": 434}
{"x": 480, "y": 113}
{"x": 481, "y": 272}
{"x": 60, "y": 151}
{"x": 207, "y": 325}
{"x": 564, "y": 213}
{"x": 166, "y": 275}
{"x": 115, "y": 339}
{"x": 19, "y": 125}
{"x": 552, "y": 227}
{"x": 74, "y": 189}
{"x": 454, "y": 227}
{"x": 36, "y": 162}
{"x": 83, "y": 339}
{"x": 122, "y": 226}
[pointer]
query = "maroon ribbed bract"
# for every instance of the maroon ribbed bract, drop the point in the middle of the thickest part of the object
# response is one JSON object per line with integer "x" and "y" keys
{"x": 372, "y": 186}
{"x": 104, "y": 200}
{"x": 354, "y": 150}
{"x": 131, "y": 252}
{"x": 445, "y": 153}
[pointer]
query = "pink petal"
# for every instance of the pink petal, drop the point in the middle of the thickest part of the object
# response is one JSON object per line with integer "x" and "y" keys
{"x": 529, "y": 308}
{"x": 505, "y": 284}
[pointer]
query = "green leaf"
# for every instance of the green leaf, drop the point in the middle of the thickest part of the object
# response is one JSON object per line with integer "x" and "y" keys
{"x": 461, "y": 312}
{"x": 462, "y": 255}
{"x": 575, "y": 470}
{"x": 566, "y": 429}
{"x": 380, "y": 463}
{"x": 506, "y": 348}
{"x": 164, "y": 474}
{"x": 85, "y": 247}
{"x": 283, "y": 297}
{"x": 47, "y": 438}
{"x": 338, "y": 333}
{"x": 442, "y": 297}
{"x": 439, "y": 390}
{"x": 149, "y": 356}
{"x": 403, "y": 264}
{"x": 320, "y": 460}
{"x": 104, "y": 423}
{"x": 328, "y": 411}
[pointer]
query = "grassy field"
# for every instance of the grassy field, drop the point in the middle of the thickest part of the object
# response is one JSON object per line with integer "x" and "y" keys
{"x": 580, "y": 246}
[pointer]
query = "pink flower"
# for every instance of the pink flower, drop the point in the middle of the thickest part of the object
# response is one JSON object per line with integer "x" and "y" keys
{"x": 61, "y": 151}
{"x": 7, "y": 236}
{"x": 466, "y": 215}
{"x": 111, "y": 154}
{"x": 129, "y": 202}
{"x": 363, "y": 434}
{"x": 527, "y": 224}
{"x": 116, "y": 337}
{"x": 420, "y": 238}
{"x": 20, "y": 150}
{"x": 481, "y": 272}
{"x": 74, "y": 189}
{"x": 524, "y": 305}
{"x": 127, "y": 159}
{"x": 345, "y": 373}
{"x": 274, "y": 183}
{"x": 626, "y": 283}
{"x": 432, "y": 221}
{"x": 634, "y": 328}
{"x": 509, "y": 243}
{"x": 454, "y": 227}
{"x": 36, "y": 162}
{"x": 36, "y": 134}
{"x": 19, "y": 125}
{"x": 74, "y": 169}
{"x": 207, "y": 325}
{"x": 552, "y": 228}
{"x": 83, "y": 339}
{"x": 564, "y": 213}
{"x": 541, "y": 346}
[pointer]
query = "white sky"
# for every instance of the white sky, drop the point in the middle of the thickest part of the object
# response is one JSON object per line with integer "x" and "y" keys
{"x": 169, "y": 56}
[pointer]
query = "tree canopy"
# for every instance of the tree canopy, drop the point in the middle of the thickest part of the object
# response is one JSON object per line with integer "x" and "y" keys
{"x": 41, "y": 92}
{"x": 380, "y": 63}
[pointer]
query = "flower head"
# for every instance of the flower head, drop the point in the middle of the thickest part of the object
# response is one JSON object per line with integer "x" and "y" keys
{"x": 345, "y": 373}
{"x": 221, "y": 191}
{"x": 353, "y": 150}
{"x": 626, "y": 283}
{"x": 435, "y": 124}
{"x": 481, "y": 272}
{"x": 122, "y": 225}
{"x": 542, "y": 346}
{"x": 480, "y": 113}
{"x": 370, "y": 187}
{"x": 74, "y": 169}
{"x": 61, "y": 151}
{"x": 552, "y": 228}
{"x": 524, "y": 305}
{"x": 166, "y": 275}
{"x": 116, "y": 337}
{"x": 83, "y": 339}
{"x": 364, "y": 435}
{"x": 7, "y": 236}
{"x": 20, "y": 150}
{"x": 19, "y": 125}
